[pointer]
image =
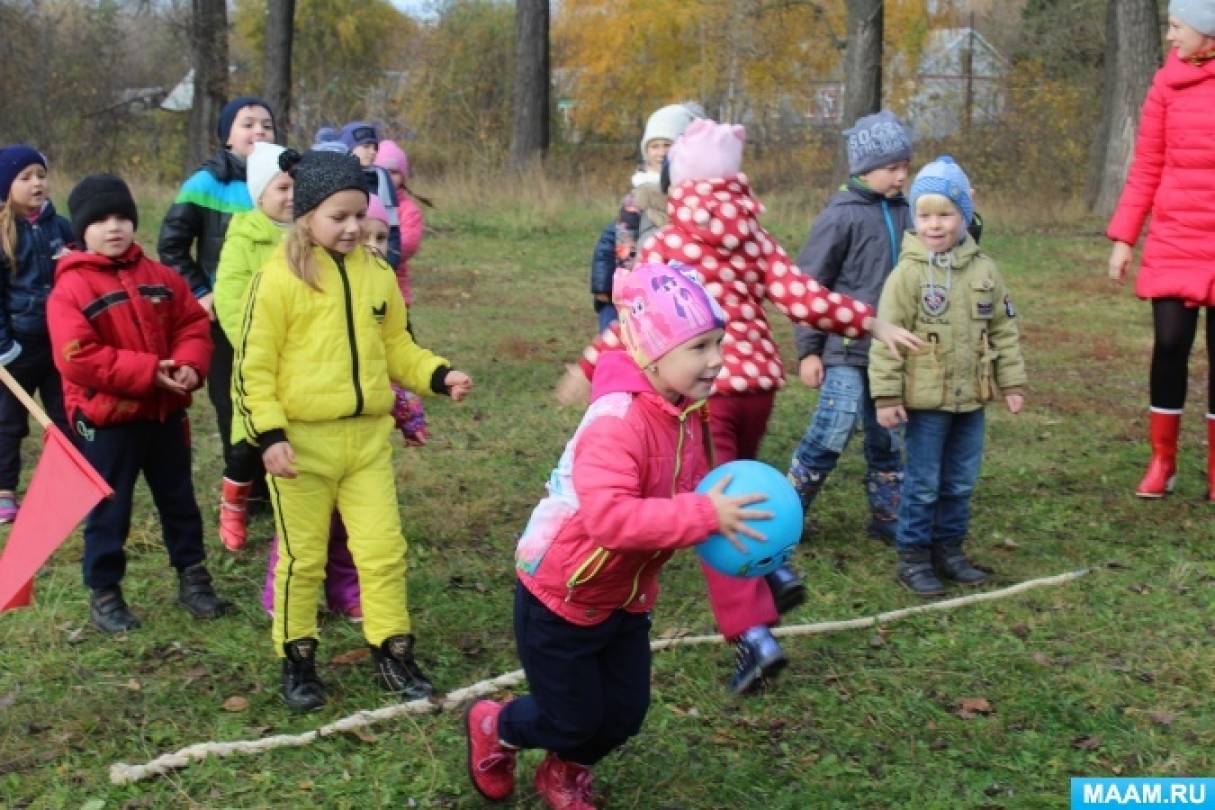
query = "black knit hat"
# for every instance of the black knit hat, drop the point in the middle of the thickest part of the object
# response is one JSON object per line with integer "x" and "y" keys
{"x": 319, "y": 175}
{"x": 227, "y": 116}
{"x": 96, "y": 197}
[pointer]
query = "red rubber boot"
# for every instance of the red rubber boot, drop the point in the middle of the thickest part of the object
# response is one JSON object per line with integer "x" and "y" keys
{"x": 1162, "y": 469}
{"x": 233, "y": 528}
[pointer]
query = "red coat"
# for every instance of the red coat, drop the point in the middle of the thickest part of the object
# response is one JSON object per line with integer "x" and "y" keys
{"x": 111, "y": 322}
{"x": 620, "y": 501}
{"x": 713, "y": 228}
{"x": 1172, "y": 177}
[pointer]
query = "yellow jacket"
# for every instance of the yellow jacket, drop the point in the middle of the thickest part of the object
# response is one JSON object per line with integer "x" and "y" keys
{"x": 312, "y": 356}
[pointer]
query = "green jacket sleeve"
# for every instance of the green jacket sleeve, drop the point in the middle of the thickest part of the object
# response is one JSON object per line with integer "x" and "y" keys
{"x": 409, "y": 365}
{"x": 232, "y": 277}
{"x": 1006, "y": 340}
{"x": 260, "y": 344}
{"x": 897, "y": 306}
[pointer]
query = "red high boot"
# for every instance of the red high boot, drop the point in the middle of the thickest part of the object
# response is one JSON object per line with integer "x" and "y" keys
{"x": 564, "y": 785}
{"x": 1211, "y": 458}
{"x": 232, "y": 515}
{"x": 1162, "y": 469}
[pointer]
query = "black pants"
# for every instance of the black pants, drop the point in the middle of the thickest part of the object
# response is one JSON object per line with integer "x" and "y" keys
{"x": 1176, "y": 326}
{"x": 161, "y": 451}
{"x": 35, "y": 370}
{"x": 242, "y": 462}
{"x": 590, "y": 686}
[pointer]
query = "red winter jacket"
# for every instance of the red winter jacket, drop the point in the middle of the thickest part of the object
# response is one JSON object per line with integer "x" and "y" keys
{"x": 620, "y": 501}
{"x": 1173, "y": 178}
{"x": 111, "y": 322}
{"x": 713, "y": 228}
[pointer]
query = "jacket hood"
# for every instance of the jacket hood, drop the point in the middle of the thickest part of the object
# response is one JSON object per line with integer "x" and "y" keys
{"x": 693, "y": 206}
{"x": 914, "y": 248}
{"x": 1177, "y": 73}
{"x": 83, "y": 260}
{"x": 854, "y": 192}
{"x": 225, "y": 166}
{"x": 256, "y": 227}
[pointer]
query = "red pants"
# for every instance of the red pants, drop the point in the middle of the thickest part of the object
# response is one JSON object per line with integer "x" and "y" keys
{"x": 738, "y": 424}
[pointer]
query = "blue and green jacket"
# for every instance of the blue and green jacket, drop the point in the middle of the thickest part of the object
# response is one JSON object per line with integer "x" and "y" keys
{"x": 198, "y": 219}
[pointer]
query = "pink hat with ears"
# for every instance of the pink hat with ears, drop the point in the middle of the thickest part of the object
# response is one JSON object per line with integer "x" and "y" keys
{"x": 707, "y": 150}
{"x": 391, "y": 156}
{"x": 662, "y": 306}
{"x": 376, "y": 209}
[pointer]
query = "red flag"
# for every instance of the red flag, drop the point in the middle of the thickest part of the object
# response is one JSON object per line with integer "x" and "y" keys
{"x": 63, "y": 490}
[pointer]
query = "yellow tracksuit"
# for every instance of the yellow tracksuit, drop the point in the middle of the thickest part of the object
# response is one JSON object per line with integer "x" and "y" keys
{"x": 313, "y": 367}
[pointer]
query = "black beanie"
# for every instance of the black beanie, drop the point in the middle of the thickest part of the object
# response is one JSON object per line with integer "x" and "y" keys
{"x": 96, "y": 197}
{"x": 319, "y": 175}
{"x": 228, "y": 115}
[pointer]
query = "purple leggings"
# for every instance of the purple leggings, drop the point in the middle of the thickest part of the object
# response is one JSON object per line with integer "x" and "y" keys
{"x": 341, "y": 577}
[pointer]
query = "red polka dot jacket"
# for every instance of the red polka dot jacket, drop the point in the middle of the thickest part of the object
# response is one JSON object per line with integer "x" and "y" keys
{"x": 714, "y": 228}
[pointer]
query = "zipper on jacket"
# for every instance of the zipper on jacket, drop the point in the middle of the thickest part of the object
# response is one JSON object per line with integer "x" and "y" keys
{"x": 598, "y": 558}
{"x": 637, "y": 577}
{"x": 894, "y": 245}
{"x": 350, "y": 335}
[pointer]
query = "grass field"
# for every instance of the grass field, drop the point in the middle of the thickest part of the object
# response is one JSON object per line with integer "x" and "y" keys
{"x": 1109, "y": 675}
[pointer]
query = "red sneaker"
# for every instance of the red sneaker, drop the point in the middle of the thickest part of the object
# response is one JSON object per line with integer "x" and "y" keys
{"x": 491, "y": 765}
{"x": 564, "y": 785}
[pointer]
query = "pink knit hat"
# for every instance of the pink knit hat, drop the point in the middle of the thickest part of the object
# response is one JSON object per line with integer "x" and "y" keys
{"x": 707, "y": 150}
{"x": 391, "y": 156}
{"x": 376, "y": 209}
{"x": 662, "y": 306}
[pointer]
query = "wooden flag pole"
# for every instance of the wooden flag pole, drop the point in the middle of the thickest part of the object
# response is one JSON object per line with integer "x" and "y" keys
{"x": 20, "y": 393}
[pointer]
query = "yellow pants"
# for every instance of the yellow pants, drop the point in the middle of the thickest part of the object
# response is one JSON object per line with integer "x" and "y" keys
{"x": 345, "y": 464}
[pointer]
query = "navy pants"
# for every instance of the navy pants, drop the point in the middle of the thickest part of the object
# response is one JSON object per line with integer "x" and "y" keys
{"x": 161, "y": 451}
{"x": 35, "y": 370}
{"x": 590, "y": 685}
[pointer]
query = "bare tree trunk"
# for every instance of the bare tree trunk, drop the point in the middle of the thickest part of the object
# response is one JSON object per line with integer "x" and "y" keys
{"x": 280, "y": 31}
{"x": 862, "y": 63}
{"x": 529, "y": 139}
{"x": 1132, "y": 55}
{"x": 209, "y": 44}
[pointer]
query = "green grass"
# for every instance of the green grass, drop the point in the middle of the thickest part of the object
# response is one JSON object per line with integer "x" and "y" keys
{"x": 1109, "y": 675}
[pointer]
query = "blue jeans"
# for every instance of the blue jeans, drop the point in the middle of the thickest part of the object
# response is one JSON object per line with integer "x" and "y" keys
{"x": 843, "y": 404}
{"x": 944, "y": 451}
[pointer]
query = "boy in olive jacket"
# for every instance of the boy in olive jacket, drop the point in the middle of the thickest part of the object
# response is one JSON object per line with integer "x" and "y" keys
{"x": 952, "y": 296}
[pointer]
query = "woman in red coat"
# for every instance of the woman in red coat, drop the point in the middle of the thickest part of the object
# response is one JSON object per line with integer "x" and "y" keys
{"x": 1172, "y": 177}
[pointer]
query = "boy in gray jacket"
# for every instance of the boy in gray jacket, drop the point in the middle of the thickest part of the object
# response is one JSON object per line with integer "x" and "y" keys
{"x": 852, "y": 247}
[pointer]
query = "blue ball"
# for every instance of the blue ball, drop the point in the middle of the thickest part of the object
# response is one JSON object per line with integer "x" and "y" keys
{"x": 783, "y": 530}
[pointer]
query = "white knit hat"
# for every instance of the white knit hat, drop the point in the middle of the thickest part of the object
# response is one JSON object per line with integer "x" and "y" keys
{"x": 1198, "y": 14}
{"x": 670, "y": 121}
{"x": 261, "y": 168}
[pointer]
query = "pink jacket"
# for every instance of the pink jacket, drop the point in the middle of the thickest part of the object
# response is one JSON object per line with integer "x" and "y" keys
{"x": 1171, "y": 178}
{"x": 714, "y": 228}
{"x": 620, "y": 501}
{"x": 409, "y": 214}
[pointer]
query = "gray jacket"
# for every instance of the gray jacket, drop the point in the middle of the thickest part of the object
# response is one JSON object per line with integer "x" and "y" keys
{"x": 852, "y": 247}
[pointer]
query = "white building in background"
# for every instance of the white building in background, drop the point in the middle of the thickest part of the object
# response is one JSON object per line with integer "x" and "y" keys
{"x": 960, "y": 80}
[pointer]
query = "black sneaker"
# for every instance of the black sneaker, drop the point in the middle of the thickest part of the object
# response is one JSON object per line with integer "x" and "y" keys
{"x": 756, "y": 656}
{"x": 916, "y": 574}
{"x": 787, "y": 589}
{"x": 397, "y": 671}
{"x": 109, "y": 612}
{"x": 951, "y": 562}
{"x": 302, "y": 689}
{"x": 195, "y": 592}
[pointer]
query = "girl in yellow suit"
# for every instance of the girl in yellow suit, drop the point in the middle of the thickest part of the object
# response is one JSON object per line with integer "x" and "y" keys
{"x": 322, "y": 333}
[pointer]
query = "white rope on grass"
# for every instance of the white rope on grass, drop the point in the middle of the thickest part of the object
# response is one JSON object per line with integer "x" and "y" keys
{"x": 122, "y": 773}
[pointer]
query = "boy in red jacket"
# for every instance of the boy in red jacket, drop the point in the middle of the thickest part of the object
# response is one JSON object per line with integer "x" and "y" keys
{"x": 620, "y": 502}
{"x": 131, "y": 343}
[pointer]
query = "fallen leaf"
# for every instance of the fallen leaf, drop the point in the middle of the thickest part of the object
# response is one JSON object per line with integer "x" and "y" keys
{"x": 1041, "y": 658}
{"x": 1140, "y": 588}
{"x": 8, "y": 700}
{"x": 134, "y": 685}
{"x": 877, "y": 641}
{"x": 357, "y": 654}
{"x": 307, "y": 784}
{"x": 1087, "y": 743}
{"x": 364, "y": 734}
{"x": 970, "y": 708}
{"x": 195, "y": 673}
{"x": 675, "y": 632}
{"x": 1020, "y": 631}
{"x": 1162, "y": 718}
{"x": 236, "y": 703}
{"x": 1009, "y": 543}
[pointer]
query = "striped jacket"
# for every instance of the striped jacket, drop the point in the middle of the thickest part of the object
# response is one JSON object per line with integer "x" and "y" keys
{"x": 111, "y": 322}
